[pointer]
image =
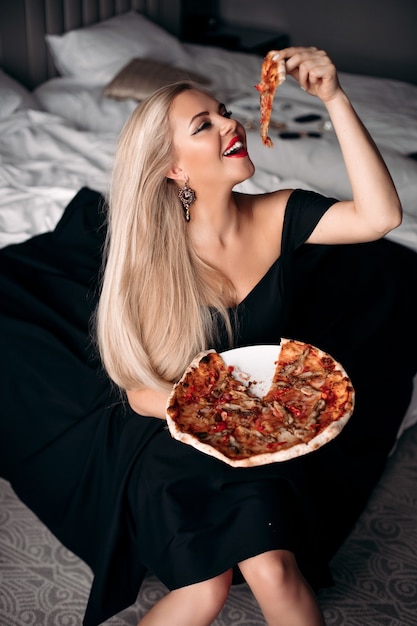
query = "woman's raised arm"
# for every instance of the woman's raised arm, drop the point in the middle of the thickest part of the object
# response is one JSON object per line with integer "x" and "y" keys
{"x": 375, "y": 208}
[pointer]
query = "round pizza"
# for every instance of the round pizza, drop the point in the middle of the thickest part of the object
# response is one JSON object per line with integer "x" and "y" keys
{"x": 215, "y": 408}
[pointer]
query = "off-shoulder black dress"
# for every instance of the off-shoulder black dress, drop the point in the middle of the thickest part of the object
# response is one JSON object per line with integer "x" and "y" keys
{"x": 116, "y": 489}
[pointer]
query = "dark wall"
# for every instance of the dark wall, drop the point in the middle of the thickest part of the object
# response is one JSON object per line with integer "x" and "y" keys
{"x": 377, "y": 37}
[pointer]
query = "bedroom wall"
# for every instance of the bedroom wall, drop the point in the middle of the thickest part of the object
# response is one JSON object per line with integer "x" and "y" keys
{"x": 23, "y": 23}
{"x": 167, "y": 14}
{"x": 362, "y": 36}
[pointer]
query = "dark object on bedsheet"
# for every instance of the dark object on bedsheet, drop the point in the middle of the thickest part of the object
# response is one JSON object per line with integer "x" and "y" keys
{"x": 58, "y": 454}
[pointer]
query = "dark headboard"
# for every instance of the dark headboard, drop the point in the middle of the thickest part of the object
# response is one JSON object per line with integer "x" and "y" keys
{"x": 24, "y": 23}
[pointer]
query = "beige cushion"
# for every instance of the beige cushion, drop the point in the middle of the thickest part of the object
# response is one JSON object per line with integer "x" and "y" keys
{"x": 141, "y": 77}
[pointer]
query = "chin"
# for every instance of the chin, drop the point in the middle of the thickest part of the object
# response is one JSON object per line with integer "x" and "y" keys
{"x": 250, "y": 172}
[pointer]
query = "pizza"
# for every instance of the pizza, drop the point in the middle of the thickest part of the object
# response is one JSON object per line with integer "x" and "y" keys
{"x": 214, "y": 406}
{"x": 273, "y": 74}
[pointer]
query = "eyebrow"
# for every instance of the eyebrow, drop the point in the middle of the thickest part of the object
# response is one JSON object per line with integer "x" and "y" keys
{"x": 203, "y": 113}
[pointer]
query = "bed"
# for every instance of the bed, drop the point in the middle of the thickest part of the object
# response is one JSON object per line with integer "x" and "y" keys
{"x": 61, "y": 109}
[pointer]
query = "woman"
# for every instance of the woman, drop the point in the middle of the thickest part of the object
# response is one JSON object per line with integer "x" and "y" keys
{"x": 191, "y": 264}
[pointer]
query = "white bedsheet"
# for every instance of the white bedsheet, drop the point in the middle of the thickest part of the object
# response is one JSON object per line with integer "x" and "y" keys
{"x": 43, "y": 163}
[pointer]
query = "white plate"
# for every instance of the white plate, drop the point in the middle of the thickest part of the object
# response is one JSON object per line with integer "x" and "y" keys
{"x": 257, "y": 363}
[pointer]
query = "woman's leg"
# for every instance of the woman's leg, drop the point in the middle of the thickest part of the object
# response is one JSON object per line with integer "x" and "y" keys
{"x": 194, "y": 605}
{"x": 283, "y": 594}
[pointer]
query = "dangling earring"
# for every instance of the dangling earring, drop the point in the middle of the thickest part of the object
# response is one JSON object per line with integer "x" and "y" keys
{"x": 187, "y": 197}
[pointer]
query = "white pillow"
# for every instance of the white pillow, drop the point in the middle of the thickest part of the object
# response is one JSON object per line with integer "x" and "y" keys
{"x": 99, "y": 51}
{"x": 83, "y": 105}
{"x": 14, "y": 96}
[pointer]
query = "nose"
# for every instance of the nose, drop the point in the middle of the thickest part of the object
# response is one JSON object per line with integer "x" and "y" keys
{"x": 228, "y": 124}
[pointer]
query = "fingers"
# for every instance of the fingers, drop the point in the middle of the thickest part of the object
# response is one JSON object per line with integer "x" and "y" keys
{"x": 311, "y": 67}
{"x": 306, "y": 60}
{"x": 291, "y": 51}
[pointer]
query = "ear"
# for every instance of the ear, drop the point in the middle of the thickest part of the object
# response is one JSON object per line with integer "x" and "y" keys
{"x": 176, "y": 173}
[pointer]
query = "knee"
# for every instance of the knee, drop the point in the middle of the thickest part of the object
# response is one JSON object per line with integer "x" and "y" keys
{"x": 208, "y": 597}
{"x": 198, "y": 603}
{"x": 277, "y": 567}
{"x": 283, "y": 594}
{"x": 216, "y": 590}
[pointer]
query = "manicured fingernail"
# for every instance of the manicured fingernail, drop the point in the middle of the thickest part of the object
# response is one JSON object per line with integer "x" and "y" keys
{"x": 275, "y": 57}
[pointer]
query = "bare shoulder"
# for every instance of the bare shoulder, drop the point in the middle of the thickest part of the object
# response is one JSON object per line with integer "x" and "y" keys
{"x": 262, "y": 223}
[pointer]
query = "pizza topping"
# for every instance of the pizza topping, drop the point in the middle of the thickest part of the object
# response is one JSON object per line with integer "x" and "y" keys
{"x": 273, "y": 74}
{"x": 309, "y": 400}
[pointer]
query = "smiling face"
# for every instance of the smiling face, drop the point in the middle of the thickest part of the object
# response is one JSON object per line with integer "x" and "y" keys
{"x": 209, "y": 145}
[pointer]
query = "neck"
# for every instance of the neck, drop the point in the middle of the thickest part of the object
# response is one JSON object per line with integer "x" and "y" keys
{"x": 214, "y": 219}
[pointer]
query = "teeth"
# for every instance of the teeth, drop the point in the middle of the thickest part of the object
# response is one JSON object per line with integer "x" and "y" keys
{"x": 238, "y": 145}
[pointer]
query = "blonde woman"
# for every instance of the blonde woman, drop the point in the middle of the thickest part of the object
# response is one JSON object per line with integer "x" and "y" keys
{"x": 191, "y": 264}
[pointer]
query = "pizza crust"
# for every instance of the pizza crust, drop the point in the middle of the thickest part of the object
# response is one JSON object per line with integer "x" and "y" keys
{"x": 325, "y": 436}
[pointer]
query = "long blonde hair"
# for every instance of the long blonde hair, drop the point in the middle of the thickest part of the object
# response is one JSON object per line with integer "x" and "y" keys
{"x": 159, "y": 301}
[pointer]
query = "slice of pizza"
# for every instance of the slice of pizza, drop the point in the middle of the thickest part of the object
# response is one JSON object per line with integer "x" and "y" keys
{"x": 314, "y": 388}
{"x": 273, "y": 74}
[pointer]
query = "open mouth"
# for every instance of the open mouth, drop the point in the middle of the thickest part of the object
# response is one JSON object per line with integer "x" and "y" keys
{"x": 235, "y": 148}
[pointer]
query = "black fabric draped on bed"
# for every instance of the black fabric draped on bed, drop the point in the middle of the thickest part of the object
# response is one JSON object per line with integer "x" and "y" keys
{"x": 62, "y": 420}
{"x": 60, "y": 415}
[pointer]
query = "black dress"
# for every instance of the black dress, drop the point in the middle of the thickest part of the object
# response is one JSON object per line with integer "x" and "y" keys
{"x": 116, "y": 489}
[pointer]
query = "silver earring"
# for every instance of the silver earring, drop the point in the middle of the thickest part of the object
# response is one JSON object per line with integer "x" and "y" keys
{"x": 187, "y": 197}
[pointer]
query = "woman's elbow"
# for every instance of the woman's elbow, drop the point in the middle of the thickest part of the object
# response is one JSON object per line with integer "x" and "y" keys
{"x": 148, "y": 402}
{"x": 387, "y": 220}
{"x": 395, "y": 219}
